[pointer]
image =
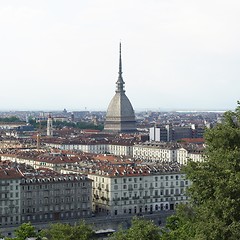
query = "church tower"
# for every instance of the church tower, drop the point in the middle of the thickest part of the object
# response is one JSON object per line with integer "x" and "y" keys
{"x": 50, "y": 126}
{"x": 120, "y": 115}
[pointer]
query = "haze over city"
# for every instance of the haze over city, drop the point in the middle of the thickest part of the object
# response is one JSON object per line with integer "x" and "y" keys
{"x": 177, "y": 55}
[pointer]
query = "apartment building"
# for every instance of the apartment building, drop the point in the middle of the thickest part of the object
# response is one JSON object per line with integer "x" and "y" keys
{"x": 185, "y": 154}
{"x": 155, "y": 152}
{"x": 38, "y": 159}
{"x": 120, "y": 190}
{"x": 168, "y": 133}
{"x": 42, "y": 195}
{"x": 10, "y": 204}
{"x": 118, "y": 149}
{"x": 167, "y": 152}
{"x": 55, "y": 197}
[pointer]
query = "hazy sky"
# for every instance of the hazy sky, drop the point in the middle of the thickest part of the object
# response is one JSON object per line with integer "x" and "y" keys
{"x": 177, "y": 54}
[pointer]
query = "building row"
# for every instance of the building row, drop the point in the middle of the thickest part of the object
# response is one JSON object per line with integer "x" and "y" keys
{"x": 102, "y": 185}
{"x": 147, "y": 151}
{"x": 168, "y": 152}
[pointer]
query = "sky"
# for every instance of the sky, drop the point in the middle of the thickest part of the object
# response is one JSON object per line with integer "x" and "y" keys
{"x": 176, "y": 54}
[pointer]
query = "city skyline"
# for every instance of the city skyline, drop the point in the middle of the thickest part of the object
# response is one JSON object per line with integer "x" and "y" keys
{"x": 176, "y": 55}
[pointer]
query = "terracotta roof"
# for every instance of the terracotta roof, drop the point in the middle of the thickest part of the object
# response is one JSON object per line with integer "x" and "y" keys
{"x": 10, "y": 174}
{"x": 193, "y": 140}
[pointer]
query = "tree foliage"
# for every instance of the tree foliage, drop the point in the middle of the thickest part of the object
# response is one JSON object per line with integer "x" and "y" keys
{"x": 26, "y": 230}
{"x": 10, "y": 119}
{"x": 140, "y": 230}
{"x": 214, "y": 212}
{"x": 59, "y": 231}
{"x": 60, "y": 125}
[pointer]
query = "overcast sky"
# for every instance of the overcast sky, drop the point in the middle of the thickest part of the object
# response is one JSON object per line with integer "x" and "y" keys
{"x": 177, "y": 54}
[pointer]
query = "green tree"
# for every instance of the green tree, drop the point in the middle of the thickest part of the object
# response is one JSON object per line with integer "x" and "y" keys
{"x": 214, "y": 212}
{"x": 180, "y": 226}
{"x": 25, "y": 230}
{"x": 140, "y": 229}
{"x": 10, "y": 119}
{"x": 59, "y": 231}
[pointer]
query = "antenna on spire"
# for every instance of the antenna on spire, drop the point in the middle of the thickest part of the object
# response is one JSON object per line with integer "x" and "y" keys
{"x": 120, "y": 59}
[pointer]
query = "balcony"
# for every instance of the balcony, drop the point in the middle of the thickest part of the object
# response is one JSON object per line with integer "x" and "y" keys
{"x": 104, "y": 199}
{"x": 146, "y": 197}
{"x": 135, "y": 198}
{"x": 130, "y": 189}
{"x": 11, "y": 205}
{"x": 95, "y": 196}
{"x": 4, "y": 184}
{"x": 4, "y": 190}
{"x": 116, "y": 199}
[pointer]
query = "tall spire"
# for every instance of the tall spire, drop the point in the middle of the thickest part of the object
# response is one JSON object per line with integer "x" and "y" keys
{"x": 120, "y": 61}
{"x": 120, "y": 83}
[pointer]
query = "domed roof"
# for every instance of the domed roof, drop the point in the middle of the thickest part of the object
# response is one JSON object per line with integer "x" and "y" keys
{"x": 120, "y": 106}
{"x": 120, "y": 115}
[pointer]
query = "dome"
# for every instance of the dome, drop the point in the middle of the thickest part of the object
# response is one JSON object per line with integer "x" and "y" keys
{"x": 120, "y": 106}
{"x": 120, "y": 115}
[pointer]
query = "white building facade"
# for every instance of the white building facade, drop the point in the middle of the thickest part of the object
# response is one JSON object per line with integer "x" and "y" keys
{"x": 155, "y": 152}
{"x": 115, "y": 149}
{"x": 135, "y": 193}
